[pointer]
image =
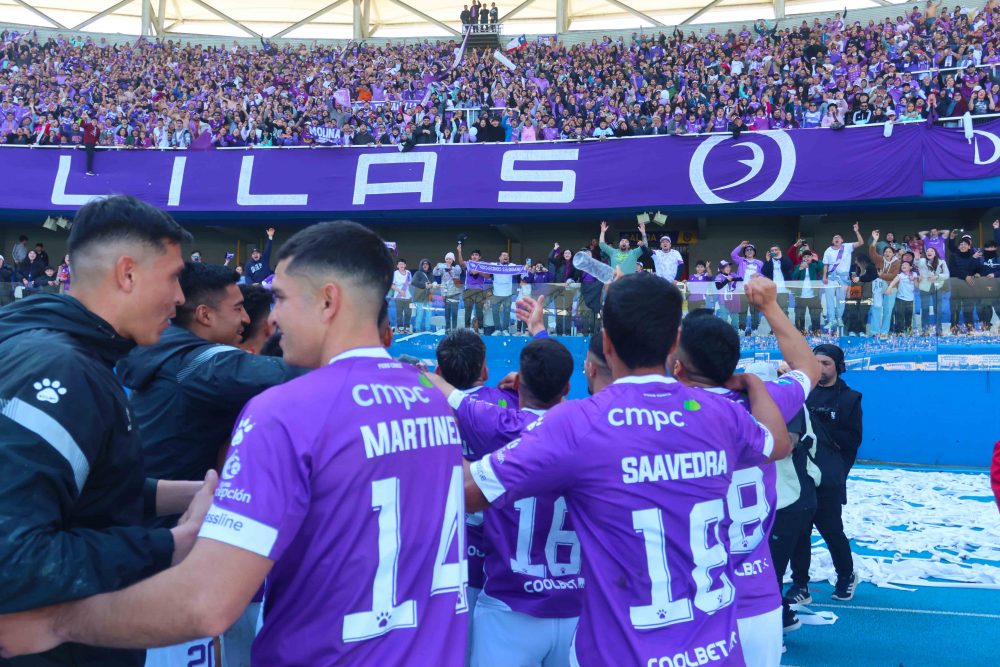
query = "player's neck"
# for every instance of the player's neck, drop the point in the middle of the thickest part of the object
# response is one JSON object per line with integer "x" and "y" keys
{"x": 340, "y": 340}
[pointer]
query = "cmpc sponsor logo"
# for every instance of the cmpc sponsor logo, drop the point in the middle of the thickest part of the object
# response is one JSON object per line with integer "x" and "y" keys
{"x": 658, "y": 419}
{"x": 367, "y": 395}
{"x": 769, "y": 158}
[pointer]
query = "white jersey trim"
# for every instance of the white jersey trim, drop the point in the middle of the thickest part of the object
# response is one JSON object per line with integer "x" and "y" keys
{"x": 238, "y": 530}
{"x": 802, "y": 379}
{"x": 455, "y": 399}
{"x": 486, "y": 479}
{"x": 768, "y": 440}
{"x": 359, "y": 352}
{"x": 644, "y": 379}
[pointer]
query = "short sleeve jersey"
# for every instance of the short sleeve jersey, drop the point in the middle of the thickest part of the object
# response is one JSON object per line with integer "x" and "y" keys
{"x": 350, "y": 479}
{"x": 751, "y": 503}
{"x": 474, "y": 539}
{"x": 532, "y": 561}
{"x": 645, "y": 467}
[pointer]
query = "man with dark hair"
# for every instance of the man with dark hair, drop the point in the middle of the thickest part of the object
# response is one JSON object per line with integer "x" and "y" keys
{"x": 475, "y": 295}
{"x": 836, "y": 409}
{"x": 707, "y": 356}
{"x": 188, "y": 389}
{"x": 259, "y": 266}
{"x": 609, "y": 456}
{"x": 257, "y": 302}
{"x": 520, "y": 619}
{"x": 70, "y": 518}
{"x": 321, "y": 473}
{"x": 461, "y": 357}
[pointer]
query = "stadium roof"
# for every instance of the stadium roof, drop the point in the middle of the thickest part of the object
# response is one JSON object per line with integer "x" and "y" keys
{"x": 357, "y": 19}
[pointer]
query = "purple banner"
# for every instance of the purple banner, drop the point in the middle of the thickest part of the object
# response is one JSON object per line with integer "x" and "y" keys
{"x": 949, "y": 155}
{"x": 796, "y": 166}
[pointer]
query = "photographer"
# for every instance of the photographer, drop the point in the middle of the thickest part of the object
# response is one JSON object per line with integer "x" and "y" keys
{"x": 450, "y": 276}
{"x": 778, "y": 268}
{"x": 835, "y": 412}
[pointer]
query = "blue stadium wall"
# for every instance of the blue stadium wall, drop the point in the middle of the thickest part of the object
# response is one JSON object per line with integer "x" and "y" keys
{"x": 921, "y": 417}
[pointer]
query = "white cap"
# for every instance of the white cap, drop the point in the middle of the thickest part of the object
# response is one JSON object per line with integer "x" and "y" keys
{"x": 450, "y": 255}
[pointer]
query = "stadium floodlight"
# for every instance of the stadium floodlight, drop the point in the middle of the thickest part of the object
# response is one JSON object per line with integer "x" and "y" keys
{"x": 62, "y": 222}
{"x": 643, "y": 218}
{"x": 660, "y": 219}
{"x": 50, "y": 224}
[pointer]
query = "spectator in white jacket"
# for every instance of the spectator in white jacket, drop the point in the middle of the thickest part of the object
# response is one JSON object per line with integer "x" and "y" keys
{"x": 933, "y": 271}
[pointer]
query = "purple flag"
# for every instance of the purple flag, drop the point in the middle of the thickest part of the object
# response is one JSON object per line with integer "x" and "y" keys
{"x": 948, "y": 155}
{"x": 664, "y": 171}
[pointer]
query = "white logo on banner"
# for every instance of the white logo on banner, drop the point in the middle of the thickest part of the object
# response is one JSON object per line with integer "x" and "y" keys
{"x": 993, "y": 139}
{"x": 708, "y": 195}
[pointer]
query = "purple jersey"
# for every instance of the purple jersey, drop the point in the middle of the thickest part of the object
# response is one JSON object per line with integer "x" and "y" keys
{"x": 751, "y": 503}
{"x": 350, "y": 479}
{"x": 532, "y": 554}
{"x": 474, "y": 540}
{"x": 645, "y": 467}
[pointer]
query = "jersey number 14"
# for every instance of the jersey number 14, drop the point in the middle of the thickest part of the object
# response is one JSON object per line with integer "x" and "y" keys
{"x": 388, "y": 613}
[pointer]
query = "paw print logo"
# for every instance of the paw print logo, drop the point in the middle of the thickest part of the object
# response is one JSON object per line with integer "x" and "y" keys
{"x": 244, "y": 427}
{"x": 662, "y": 613}
{"x": 49, "y": 391}
{"x": 383, "y": 618}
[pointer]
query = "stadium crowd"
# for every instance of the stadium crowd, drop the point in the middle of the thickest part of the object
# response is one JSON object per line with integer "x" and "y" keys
{"x": 862, "y": 287}
{"x": 922, "y": 64}
{"x": 932, "y": 282}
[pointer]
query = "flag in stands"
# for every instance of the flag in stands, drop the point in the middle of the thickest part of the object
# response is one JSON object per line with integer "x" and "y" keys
{"x": 504, "y": 60}
{"x": 516, "y": 44}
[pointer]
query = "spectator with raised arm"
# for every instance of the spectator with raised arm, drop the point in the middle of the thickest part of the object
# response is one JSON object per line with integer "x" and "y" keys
{"x": 474, "y": 294}
{"x": 402, "y": 295}
{"x": 746, "y": 267}
{"x": 624, "y": 257}
{"x": 449, "y": 274}
{"x": 808, "y": 275}
{"x": 259, "y": 265}
{"x": 883, "y": 299}
{"x": 778, "y": 268}
{"x": 667, "y": 262}
{"x": 836, "y": 276}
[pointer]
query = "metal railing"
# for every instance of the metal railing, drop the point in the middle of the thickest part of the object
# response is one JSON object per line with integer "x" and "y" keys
{"x": 949, "y": 119}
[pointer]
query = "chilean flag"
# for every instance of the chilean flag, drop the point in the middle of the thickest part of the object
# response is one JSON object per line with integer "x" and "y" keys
{"x": 516, "y": 44}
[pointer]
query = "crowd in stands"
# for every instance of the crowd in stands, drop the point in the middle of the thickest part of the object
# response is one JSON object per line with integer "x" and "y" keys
{"x": 922, "y": 64}
{"x": 935, "y": 282}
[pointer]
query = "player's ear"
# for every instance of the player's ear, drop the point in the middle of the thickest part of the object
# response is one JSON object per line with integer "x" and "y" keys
{"x": 565, "y": 390}
{"x": 485, "y": 374}
{"x": 606, "y": 344}
{"x": 517, "y": 382}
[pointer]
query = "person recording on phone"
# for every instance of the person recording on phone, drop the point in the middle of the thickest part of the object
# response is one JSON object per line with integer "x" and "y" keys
{"x": 778, "y": 268}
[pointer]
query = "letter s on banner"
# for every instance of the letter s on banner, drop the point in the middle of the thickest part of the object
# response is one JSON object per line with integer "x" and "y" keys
{"x": 565, "y": 177}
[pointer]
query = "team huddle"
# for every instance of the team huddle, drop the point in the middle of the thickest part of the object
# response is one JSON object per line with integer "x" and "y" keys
{"x": 394, "y": 516}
